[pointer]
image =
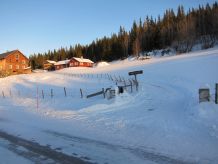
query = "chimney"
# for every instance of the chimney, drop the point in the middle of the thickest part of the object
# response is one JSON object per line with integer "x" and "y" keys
{"x": 81, "y": 57}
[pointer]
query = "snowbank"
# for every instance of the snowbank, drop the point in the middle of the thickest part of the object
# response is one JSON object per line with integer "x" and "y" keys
{"x": 102, "y": 64}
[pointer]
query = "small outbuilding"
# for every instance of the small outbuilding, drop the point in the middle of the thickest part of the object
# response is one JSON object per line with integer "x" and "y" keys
{"x": 49, "y": 65}
{"x": 61, "y": 64}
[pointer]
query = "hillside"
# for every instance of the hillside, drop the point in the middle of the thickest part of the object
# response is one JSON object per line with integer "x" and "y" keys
{"x": 176, "y": 30}
{"x": 161, "y": 123}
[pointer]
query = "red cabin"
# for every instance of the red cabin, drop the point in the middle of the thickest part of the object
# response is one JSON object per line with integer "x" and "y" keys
{"x": 80, "y": 62}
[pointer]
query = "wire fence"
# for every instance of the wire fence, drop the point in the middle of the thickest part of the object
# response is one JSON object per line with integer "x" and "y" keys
{"x": 59, "y": 92}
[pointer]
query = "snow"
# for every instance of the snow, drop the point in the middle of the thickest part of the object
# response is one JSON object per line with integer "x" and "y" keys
{"x": 62, "y": 62}
{"x": 102, "y": 64}
{"x": 163, "y": 120}
{"x": 51, "y": 61}
{"x": 39, "y": 71}
{"x": 83, "y": 60}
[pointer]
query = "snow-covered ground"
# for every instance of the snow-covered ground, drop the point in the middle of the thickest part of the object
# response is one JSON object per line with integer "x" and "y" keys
{"x": 161, "y": 123}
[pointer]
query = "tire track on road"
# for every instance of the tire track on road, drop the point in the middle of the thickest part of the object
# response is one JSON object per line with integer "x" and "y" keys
{"x": 36, "y": 151}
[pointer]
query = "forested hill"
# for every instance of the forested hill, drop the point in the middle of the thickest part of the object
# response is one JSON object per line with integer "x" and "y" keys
{"x": 176, "y": 29}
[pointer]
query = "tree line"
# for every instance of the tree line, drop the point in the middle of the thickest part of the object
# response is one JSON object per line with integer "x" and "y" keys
{"x": 179, "y": 30}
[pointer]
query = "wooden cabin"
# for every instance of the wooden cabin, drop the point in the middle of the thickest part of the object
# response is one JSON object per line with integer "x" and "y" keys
{"x": 80, "y": 62}
{"x": 61, "y": 64}
{"x": 49, "y": 65}
{"x": 14, "y": 62}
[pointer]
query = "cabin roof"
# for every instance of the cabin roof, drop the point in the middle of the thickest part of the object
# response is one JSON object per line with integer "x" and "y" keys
{"x": 3, "y": 55}
{"x": 83, "y": 60}
{"x": 51, "y": 61}
{"x": 62, "y": 62}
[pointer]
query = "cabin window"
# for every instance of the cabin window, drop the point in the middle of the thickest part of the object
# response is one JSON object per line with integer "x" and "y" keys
{"x": 10, "y": 66}
{"x": 17, "y": 57}
{"x": 17, "y": 66}
{"x": 23, "y": 67}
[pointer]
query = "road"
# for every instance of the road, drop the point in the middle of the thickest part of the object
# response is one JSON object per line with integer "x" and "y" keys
{"x": 37, "y": 153}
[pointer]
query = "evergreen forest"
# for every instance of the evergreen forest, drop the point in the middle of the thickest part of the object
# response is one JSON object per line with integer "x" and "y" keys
{"x": 179, "y": 30}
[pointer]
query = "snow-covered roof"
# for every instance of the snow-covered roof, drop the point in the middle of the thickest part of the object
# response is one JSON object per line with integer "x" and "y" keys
{"x": 51, "y": 61}
{"x": 83, "y": 60}
{"x": 62, "y": 62}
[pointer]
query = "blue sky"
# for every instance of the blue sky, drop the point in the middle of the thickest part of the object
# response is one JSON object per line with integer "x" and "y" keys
{"x": 34, "y": 26}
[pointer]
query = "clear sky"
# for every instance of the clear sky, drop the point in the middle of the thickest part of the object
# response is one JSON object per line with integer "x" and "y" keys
{"x": 34, "y": 26}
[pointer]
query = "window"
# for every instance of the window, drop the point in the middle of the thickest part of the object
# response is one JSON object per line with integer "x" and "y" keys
{"x": 76, "y": 63}
{"x": 23, "y": 67}
{"x": 23, "y": 62}
{"x": 17, "y": 66}
{"x": 10, "y": 66}
{"x": 17, "y": 57}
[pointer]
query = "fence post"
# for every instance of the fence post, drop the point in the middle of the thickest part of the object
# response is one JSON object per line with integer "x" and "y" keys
{"x": 115, "y": 78}
{"x": 124, "y": 83}
{"x": 112, "y": 79}
{"x": 52, "y": 93}
{"x": 37, "y": 98}
{"x": 81, "y": 92}
{"x": 65, "y": 92}
{"x": 42, "y": 94}
{"x": 131, "y": 85}
{"x": 120, "y": 78}
{"x": 137, "y": 86}
{"x": 103, "y": 92}
{"x": 216, "y": 94}
{"x": 3, "y": 94}
{"x": 10, "y": 94}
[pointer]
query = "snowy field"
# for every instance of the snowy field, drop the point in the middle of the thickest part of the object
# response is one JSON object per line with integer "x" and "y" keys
{"x": 161, "y": 123}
